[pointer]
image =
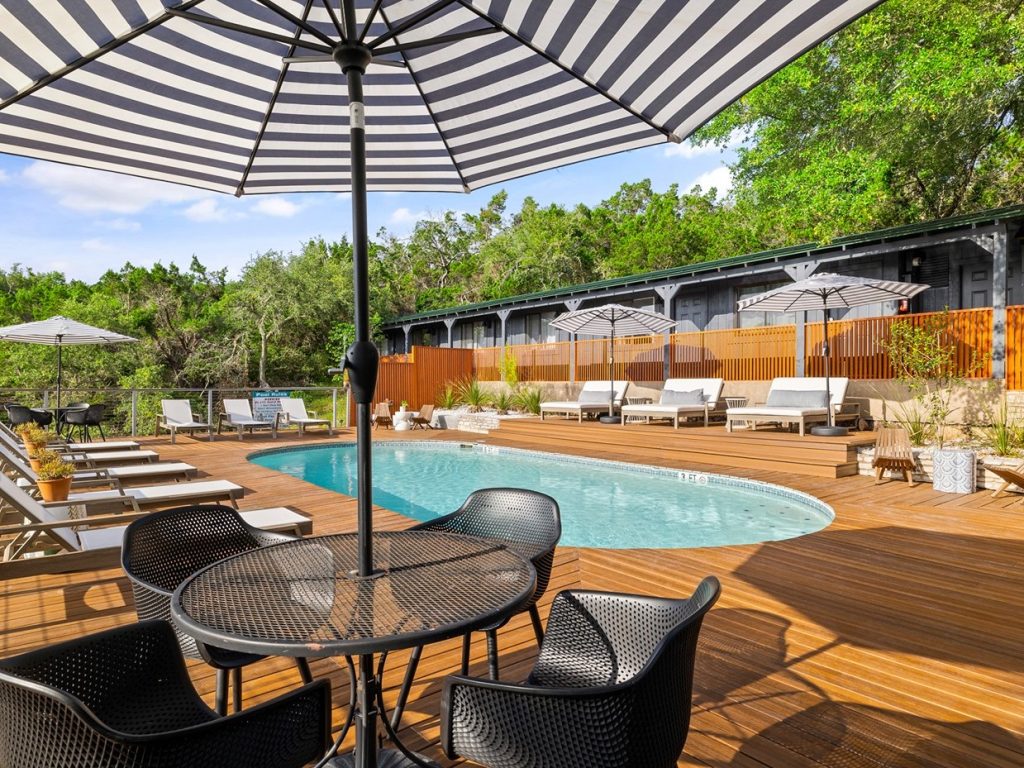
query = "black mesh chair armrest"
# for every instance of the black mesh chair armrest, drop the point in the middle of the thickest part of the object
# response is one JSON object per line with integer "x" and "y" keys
{"x": 489, "y": 721}
{"x": 289, "y": 731}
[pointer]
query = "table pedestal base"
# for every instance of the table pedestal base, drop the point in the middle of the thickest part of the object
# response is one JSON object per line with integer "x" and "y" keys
{"x": 386, "y": 758}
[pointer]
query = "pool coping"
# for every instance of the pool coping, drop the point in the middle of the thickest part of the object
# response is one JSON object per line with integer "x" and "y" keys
{"x": 685, "y": 475}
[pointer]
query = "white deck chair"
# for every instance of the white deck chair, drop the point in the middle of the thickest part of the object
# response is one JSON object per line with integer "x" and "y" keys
{"x": 94, "y": 541}
{"x": 680, "y": 398}
{"x": 89, "y": 458}
{"x": 796, "y": 400}
{"x": 238, "y": 415}
{"x": 59, "y": 444}
{"x": 177, "y": 414}
{"x": 293, "y": 411}
{"x": 593, "y": 399}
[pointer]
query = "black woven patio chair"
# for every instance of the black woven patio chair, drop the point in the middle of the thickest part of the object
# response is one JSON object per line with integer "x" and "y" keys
{"x": 123, "y": 698}
{"x": 21, "y": 414}
{"x": 163, "y": 549}
{"x": 73, "y": 417}
{"x": 94, "y": 418}
{"x": 525, "y": 521}
{"x": 612, "y": 688}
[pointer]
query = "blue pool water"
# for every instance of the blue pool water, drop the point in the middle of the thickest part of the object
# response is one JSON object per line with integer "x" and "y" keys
{"x": 604, "y": 504}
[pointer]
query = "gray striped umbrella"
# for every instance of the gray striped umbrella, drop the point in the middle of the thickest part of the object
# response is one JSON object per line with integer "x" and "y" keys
{"x": 607, "y": 320}
{"x": 260, "y": 96}
{"x": 827, "y": 291}
{"x": 59, "y": 332}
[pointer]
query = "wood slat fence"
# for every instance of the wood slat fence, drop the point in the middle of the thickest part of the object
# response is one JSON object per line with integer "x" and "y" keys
{"x": 736, "y": 354}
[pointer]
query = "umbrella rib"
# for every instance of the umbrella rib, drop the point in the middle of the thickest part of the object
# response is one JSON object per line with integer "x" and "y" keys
{"x": 240, "y": 188}
{"x": 90, "y": 57}
{"x": 548, "y": 57}
{"x": 299, "y": 22}
{"x": 334, "y": 17}
{"x": 369, "y": 18}
{"x": 411, "y": 22}
{"x": 215, "y": 22}
{"x": 427, "y": 105}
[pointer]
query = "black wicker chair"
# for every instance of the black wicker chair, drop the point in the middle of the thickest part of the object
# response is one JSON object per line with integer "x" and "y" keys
{"x": 525, "y": 521}
{"x": 163, "y": 549}
{"x": 21, "y": 414}
{"x": 612, "y": 688}
{"x": 123, "y": 698}
{"x": 94, "y": 418}
{"x": 72, "y": 417}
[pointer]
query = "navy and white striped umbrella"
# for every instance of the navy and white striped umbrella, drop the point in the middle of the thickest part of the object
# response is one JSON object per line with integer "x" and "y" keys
{"x": 242, "y": 96}
{"x": 613, "y": 320}
{"x": 830, "y": 291}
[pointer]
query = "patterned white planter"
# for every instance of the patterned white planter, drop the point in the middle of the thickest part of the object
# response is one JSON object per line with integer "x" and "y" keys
{"x": 954, "y": 471}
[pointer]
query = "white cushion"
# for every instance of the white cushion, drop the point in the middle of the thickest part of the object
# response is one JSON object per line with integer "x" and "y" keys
{"x": 273, "y": 517}
{"x": 765, "y": 410}
{"x": 655, "y": 409}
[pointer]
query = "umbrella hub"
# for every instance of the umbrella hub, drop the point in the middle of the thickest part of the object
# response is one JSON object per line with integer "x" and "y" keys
{"x": 352, "y": 55}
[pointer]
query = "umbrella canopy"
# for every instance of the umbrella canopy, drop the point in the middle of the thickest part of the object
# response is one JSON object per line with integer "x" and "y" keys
{"x": 58, "y": 332}
{"x": 608, "y": 320}
{"x": 829, "y": 291}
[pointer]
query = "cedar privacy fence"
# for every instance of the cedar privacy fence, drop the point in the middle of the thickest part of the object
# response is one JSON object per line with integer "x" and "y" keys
{"x": 737, "y": 354}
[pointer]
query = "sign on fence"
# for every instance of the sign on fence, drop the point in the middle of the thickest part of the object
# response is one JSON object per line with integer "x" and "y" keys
{"x": 267, "y": 403}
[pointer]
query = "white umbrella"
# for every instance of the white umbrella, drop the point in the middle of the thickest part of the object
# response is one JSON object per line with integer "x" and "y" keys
{"x": 829, "y": 291}
{"x": 59, "y": 332}
{"x": 607, "y": 320}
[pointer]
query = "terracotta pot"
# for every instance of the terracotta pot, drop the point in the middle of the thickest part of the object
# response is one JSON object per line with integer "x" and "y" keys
{"x": 34, "y": 463}
{"x": 54, "y": 490}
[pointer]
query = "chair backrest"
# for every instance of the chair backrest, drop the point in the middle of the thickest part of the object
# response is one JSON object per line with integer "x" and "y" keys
{"x": 295, "y": 407}
{"x": 711, "y": 388}
{"x": 426, "y": 412}
{"x": 893, "y": 443}
{"x": 526, "y": 521}
{"x": 601, "y": 385}
{"x": 16, "y": 462}
{"x": 383, "y": 410}
{"x": 646, "y": 644}
{"x": 164, "y": 548}
{"x": 837, "y": 386}
{"x": 94, "y": 414}
{"x": 177, "y": 411}
{"x": 237, "y": 407}
{"x": 32, "y": 510}
{"x": 76, "y": 414}
{"x": 19, "y": 414}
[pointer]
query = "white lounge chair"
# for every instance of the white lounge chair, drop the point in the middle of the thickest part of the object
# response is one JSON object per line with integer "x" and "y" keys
{"x": 177, "y": 414}
{"x": 238, "y": 415}
{"x": 593, "y": 399}
{"x": 94, "y": 542}
{"x": 680, "y": 398}
{"x": 59, "y": 444}
{"x": 142, "y": 496}
{"x": 799, "y": 400}
{"x": 293, "y": 411}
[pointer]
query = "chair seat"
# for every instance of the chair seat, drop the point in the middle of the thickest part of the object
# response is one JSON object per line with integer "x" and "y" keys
{"x": 776, "y": 410}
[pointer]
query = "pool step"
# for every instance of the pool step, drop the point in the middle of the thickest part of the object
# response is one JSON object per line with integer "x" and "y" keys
{"x": 761, "y": 449}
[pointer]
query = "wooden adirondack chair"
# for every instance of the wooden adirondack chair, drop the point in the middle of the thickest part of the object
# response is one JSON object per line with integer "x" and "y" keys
{"x": 893, "y": 451}
{"x": 424, "y": 417}
{"x": 382, "y": 416}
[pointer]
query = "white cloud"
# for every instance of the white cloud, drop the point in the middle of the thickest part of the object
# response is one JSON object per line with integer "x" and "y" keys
{"x": 688, "y": 150}
{"x": 4, "y": 178}
{"x": 208, "y": 209}
{"x": 84, "y": 189}
{"x": 276, "y": 206}
{"x": 96, "y": 245}
{"x": 403, "y": 217}
{"x": 121, "y": 225}
{"x": 720, "y": 178}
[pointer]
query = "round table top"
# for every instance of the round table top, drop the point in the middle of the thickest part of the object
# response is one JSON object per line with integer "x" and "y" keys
{"x": 299, "y": 598}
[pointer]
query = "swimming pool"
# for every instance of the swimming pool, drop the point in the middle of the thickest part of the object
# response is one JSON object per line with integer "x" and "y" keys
{"x": 604, "y": 504}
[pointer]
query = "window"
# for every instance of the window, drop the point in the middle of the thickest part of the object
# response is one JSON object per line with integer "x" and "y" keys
{"x": 753, "y": 319}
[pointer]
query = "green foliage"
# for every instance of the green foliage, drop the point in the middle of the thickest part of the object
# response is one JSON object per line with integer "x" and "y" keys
{"x": 449, "y": 397}
{"x": 528, "y": 400}
{"x": 1005, "y": 432}
{"x": 52, "y": 466}
{"x": 472, "y": 394}
{"x": 503, "y": 401}
{"x": 509, "y": 370}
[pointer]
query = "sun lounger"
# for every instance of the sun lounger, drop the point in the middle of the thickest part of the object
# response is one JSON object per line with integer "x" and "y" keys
{"x": 95, "y": 541}
{"x": 680, "y": 399}
{"x": 1009, "y": 475}
{"x": 293, "y": 412}
{"x": 798, "y": 400}
{"x": 593, "y": 399}
{"x": 177, "y": 415}
{"x": 238, "y": 415}
{"x": 143, "y": 496}
{"x": 59, "y": 444}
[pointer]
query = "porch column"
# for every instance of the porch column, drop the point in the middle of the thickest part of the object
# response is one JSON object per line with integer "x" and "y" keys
{"x": 572, "y": 305}
{"x": 999, "y": 262}
{"x": 799, "y": 272}
{"x": 407, "y": 329}
{"x": 503, "y": 317}
{"x": 667, "y": 294}
{"x": 448, "y": 323}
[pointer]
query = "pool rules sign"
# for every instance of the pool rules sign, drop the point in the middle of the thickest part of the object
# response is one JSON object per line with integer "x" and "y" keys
{"x": 267, "y": 404}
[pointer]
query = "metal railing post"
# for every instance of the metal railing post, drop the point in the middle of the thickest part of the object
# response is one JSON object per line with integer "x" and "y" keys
{"x": 334, "y": 408}
{"x": 209, "y": 406}
{"x": 135, "y": 412}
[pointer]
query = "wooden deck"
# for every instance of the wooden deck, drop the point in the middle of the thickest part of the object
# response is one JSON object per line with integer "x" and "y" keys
{"x": 893, "y": 638}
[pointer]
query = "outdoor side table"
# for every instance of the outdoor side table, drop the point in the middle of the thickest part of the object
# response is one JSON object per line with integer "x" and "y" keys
{"x": 302, "y": 598}
{"x": 736, "y": 402}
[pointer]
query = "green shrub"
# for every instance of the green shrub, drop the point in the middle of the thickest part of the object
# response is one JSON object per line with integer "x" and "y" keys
{"x": 449, "y": 397}
{"x": 472, "y": 394}
{"x": 528, "y": 400}
{"x": 503, "y": 401}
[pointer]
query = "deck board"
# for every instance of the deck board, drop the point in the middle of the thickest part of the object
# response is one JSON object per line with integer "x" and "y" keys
{"x": 892, "y": 638}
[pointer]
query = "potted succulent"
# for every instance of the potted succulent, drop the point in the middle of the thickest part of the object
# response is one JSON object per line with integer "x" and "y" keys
{"x": 404, "y": 406}
{"x": 54, "y": 476}
{"x": 35, "y": 439}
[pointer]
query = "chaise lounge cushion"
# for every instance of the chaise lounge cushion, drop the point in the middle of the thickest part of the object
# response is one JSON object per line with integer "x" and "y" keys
{"x": 793, "y": 398}
{"x": 675, "y": 397}
{"x": 593, "y": 396}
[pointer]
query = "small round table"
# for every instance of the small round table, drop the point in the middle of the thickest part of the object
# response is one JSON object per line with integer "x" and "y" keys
{"x": 301, "y": 598}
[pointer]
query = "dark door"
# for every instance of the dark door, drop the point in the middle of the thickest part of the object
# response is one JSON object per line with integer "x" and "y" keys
{"x": 691, "y": 311}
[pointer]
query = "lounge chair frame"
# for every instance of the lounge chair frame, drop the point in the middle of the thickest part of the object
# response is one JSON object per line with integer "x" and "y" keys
{"x": 570, "y": 408}
{"x": 802, "y": 417}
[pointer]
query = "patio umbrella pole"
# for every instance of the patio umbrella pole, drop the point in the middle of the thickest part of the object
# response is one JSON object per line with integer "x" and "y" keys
{"x": 610, "y": 418}
{"x": 829, "y": 430}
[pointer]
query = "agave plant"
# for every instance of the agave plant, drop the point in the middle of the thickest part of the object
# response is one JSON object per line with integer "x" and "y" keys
{"x": 449, "y": 397}
{"x": 503, "y": 401}
{"x": 473, "y": 395}
{"x": 528, "y": 399}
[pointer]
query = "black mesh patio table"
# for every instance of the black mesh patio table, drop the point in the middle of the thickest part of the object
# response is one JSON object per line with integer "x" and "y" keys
{"x": 302, "y": 598}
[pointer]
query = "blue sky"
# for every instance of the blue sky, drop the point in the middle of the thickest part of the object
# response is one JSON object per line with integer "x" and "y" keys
{"x": 83, "y": 222}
